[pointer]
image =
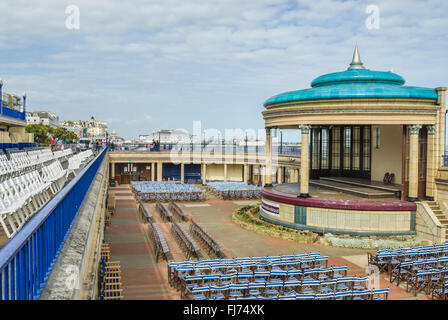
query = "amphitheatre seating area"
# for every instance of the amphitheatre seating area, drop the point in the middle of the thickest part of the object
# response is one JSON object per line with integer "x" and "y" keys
{"x": 28, "y": 180}
{"x": 159, "y": 242}
{"x": 292, "y": 277}
{"x": 185, "y": 241}
{"x": 167, "y": 191}
{"x": 234, "y": 190}
{"x": 110, "y": 276}
{"x": 206, "y": 239}
{"x": 178, "y": 211}
{"x": 421, "y": 269}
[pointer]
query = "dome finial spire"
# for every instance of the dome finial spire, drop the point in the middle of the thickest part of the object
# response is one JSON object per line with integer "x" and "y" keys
{"x": 356, "y": 61}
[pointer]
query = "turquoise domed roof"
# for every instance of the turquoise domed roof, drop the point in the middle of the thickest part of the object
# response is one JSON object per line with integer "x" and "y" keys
{"x": 355, "y": 83}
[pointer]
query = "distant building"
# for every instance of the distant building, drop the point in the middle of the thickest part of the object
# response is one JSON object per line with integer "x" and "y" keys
{"x": 90, "y": 128}
{"x": 43, "y": 117}
{"x": 12, "y": 121}
{"x": 168, "y": 136}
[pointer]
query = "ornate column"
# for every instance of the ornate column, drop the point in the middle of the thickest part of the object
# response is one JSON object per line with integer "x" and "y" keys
{"x": 430, "y": 162}
{"x": 279, "y": 175}
{"x": 204, "y": 174}
{"x": 112, "y": 170}
{"x": 153, "y": 171}
{"x": 246, "y": 173}
{"x": 413, "y": 162}
{"x": 261, "y": 174}
{"x": 304, "y": 161}
{"x": 159, "y": 171}
{"x": 182, "y": 172}
{"x": 268, "y": 167}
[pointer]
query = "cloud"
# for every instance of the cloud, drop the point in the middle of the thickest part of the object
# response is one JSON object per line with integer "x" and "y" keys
{"x": 147, "y": 65}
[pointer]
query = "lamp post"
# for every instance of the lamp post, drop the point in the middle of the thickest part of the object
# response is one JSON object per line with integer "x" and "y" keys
{"x": 281, "y": 141}
{"x": 1, "y": 97}
{"x": 24, "y": 103}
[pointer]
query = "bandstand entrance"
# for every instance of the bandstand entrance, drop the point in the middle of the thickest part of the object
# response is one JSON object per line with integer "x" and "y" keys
{"x": 340, "y": 151}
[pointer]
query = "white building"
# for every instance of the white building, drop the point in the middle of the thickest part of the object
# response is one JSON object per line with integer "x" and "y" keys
{"x": 43, "y": 117}
{"x": 90, "y": 128}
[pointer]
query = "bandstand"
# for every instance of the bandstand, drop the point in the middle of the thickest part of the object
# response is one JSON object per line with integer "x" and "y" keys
{"x": 370, "y": 148}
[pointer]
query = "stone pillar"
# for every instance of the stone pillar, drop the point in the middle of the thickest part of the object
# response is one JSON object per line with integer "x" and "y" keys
{"x": 440, "y": 128}
{"x": 204, "y": 173}
{"x": 159, "y": 171}
{"x": 430, "y": 163}
{"x": 268, "y": 167}
{"x": 225, "y": 172}
{"x": 112, "y": 170}
{"x": 153, "y": 169}
{"x": 246, "y": 174}
{"x": 182, "y": 172}
{"x": 304, "y": 162}
{"x": 413, "y": 162}
{"x": 262, "y": 175}
{"x": 279, "y": 175}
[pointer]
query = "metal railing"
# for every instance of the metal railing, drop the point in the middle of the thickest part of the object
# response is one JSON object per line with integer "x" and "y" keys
{"x": 445, "y": 160}
{"x": 224, "y": 149}
{"x": 27, "y": 259}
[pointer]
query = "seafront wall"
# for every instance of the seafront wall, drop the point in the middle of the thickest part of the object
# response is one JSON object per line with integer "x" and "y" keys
{"x": 75, "y": 274}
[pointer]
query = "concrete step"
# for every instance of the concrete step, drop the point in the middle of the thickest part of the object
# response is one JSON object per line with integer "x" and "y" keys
{"x": 364, "y": 192}
{"x": 387, "y": 188}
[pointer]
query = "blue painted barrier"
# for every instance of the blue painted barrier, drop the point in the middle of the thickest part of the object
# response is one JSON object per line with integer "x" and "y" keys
{"x": 27, "y": 259}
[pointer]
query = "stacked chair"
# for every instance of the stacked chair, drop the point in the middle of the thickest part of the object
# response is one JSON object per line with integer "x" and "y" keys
{"x": 291, "y": 277}
{"x": 206, "y": 239}
{"x": 166, "y": 191}
{"x": 110, "y": 276}
{"x": 234, "y": 190}
{"x": 185, "y": 241}
{"x": 420, "y": 269}
{"x": 159, "y": 242}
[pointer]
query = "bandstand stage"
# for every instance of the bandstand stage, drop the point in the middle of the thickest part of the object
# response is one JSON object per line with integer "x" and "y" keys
{"x": 370, "y": 148}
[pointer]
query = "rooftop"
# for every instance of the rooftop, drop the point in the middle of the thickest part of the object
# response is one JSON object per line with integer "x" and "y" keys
{"x": 356, "y": 82}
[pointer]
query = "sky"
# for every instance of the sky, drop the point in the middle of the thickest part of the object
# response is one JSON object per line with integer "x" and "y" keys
{"x": 149, "y": 65}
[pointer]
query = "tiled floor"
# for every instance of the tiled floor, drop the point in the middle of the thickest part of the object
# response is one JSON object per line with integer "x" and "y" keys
{"x": 144, "y": 278}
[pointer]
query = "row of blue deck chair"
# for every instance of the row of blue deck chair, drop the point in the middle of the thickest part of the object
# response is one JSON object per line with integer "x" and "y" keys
{"x": 353, "y": 288}
{"x": 371, "y": 294}
{"x": 235, "y": 190}
{"x": 167, "y": 191}
{"x": 178, "y": 270}
{"x": 171, "y": 196}
{"x": 421, "y": 268}
{"x": 387, "y": 259}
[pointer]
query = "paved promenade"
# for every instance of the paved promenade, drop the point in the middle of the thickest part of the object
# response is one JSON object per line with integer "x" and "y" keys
{"x": 143, "y": 278}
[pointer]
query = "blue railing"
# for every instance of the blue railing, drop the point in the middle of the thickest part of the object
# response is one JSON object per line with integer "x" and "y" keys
{"x": 12, "y": 113}
{"x": 27, "y": 259}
